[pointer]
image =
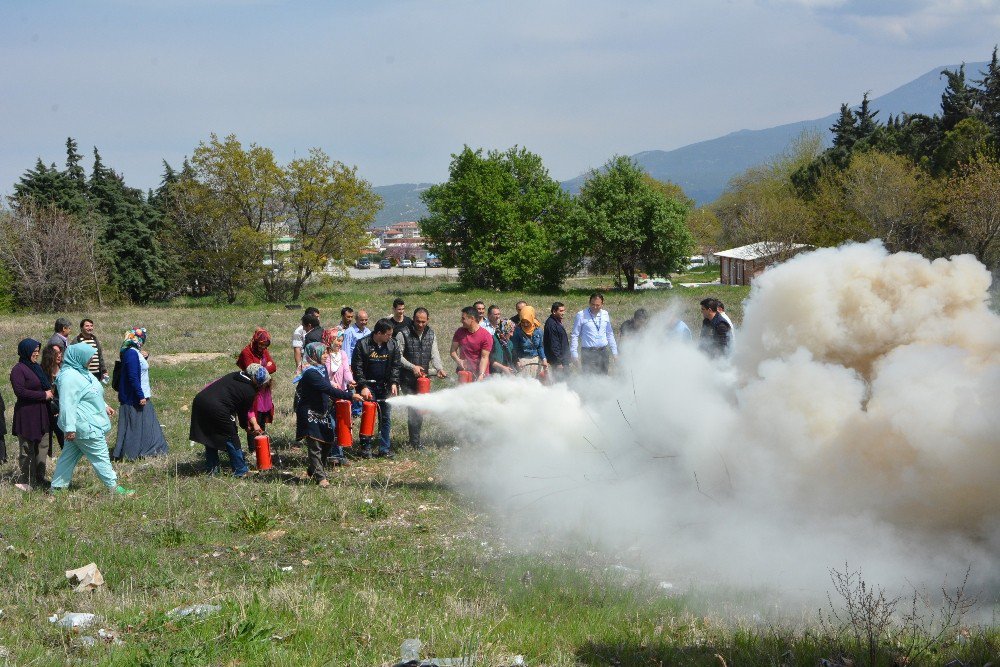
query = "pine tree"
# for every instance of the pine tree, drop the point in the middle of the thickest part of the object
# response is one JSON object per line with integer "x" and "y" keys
{"x": 866, "y": 123}
{"x": 988, "y": 95}
{"x": 74, "y": 171}
{"x": 958, "y": 101}
{"x": 845, "y": 131}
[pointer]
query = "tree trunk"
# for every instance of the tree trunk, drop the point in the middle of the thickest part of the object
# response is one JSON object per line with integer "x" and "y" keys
{"x": 629, "y": 272}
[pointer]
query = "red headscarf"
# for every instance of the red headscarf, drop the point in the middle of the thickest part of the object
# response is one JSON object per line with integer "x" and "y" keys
{"x": 260, "y": 340}
{"x": 256, "y": 353}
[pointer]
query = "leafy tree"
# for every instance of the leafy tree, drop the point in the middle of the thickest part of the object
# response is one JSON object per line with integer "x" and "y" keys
{"x": 330, "y": 210}
{"x": 974, "y": 205}
{"x": 503, "y": 221}
{"x": 633, "y": 225}
{"x": 969, "y": 139}
{"x": 246, "y": 186}
{"x": 705, "y": 229}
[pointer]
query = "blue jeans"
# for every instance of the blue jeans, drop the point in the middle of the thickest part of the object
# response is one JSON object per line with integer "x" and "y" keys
{"x": 384, "y": 418}
{"x": 236, "y": 460}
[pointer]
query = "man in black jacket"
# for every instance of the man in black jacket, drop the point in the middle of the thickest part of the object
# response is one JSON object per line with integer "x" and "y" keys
{"x": 716, "y": 334}
{"x": 420, "y": 358}
{"x": 555, "y": 340}
{"x": 376, "y": 364}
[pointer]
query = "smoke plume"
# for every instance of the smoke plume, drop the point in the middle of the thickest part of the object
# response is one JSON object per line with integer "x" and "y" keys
{"x": 857, "y": 421}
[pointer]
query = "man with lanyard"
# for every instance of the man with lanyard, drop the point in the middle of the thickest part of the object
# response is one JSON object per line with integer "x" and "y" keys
{"x": 593, "y": 342}
{"x": 556, "y": 341}
{"x": 376, "y": 363}
{"x": 420, "y": 358}
{"x": 471, "y": 346}
{"x": 399, "y": 319}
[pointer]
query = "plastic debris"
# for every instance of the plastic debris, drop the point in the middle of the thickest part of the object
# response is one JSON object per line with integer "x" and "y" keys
{"x": 199, "y": 610}
{"x": 73, "y": 619}
{"x": 287, "y": 568}
{"x": 666, "y": 585}
{"x": 88, "y": 578}
{"x": 87, "y": 641}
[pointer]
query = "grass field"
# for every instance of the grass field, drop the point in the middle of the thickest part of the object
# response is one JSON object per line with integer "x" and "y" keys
{"x": 341, "y": 576}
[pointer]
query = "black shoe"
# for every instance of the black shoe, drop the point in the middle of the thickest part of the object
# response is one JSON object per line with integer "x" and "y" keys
{"x": 366, "y": 453}
{"x": 417, "y": 446}
{"x": 386, "y": 455}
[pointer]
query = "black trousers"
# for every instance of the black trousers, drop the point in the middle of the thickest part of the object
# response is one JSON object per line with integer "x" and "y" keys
{"x": 595, "y": 360}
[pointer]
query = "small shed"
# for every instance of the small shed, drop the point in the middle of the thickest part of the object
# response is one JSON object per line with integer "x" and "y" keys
{"x": 739, "y": 266}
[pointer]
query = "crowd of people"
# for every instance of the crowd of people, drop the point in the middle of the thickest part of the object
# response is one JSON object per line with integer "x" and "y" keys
{"x": 59, "y": 387}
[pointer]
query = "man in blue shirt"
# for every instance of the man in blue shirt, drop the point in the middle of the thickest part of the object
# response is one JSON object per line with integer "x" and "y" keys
{"x": 593, "y": 344}
{"x": 355, "y": 332}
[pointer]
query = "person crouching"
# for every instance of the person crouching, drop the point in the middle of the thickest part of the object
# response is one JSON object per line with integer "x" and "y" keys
{"x": 84, "y": 418}
{"x": 314, "y": 414}
{"x": 216, "y": 411}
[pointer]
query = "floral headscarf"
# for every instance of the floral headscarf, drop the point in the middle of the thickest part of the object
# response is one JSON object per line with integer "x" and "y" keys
{"x": 261, "y": 339}
{"x": 528, "y": 321}
{"x": 258, "y": 375}
{"x": 331, "y": 335}
{"x": 314, "y": 353}
{"x": 135, "y": 337}
{"x": 505, "y": 328}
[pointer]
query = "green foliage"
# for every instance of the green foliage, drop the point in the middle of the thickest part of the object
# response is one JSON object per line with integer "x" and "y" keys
{"x": 251, "y": 520}
{"x": 503, "y": 221}
{"x": 632, "y": 225}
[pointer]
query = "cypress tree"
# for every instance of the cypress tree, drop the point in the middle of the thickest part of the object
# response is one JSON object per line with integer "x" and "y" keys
{"x": 845, "y": 131}
{"x": 866, "y": 123}
{"x": 958, "y": 101}
{"x": 988, "y": 95}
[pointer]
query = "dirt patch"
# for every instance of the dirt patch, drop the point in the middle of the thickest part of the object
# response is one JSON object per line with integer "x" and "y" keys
{"x": 186, "y": 357}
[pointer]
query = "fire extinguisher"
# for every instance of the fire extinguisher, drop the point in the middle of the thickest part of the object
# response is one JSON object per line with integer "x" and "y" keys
{"x": 367, "y": 429}
{"x": 342, "y": 413}
{"x": 262, "y": 447}
{"x": 423, "y": 385}
{"x": 464, "y": 377}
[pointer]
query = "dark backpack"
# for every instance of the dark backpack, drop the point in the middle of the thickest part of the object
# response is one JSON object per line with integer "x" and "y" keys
{"x": 116, "y": 375}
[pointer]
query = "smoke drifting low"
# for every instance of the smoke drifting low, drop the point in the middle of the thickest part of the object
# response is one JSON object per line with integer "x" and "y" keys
{"x": 857, "y": 421}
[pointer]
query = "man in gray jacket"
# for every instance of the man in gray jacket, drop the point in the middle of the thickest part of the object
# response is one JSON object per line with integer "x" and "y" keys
{"x": 421, "y": 357}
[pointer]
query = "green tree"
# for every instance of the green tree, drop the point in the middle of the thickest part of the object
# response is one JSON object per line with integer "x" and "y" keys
{"x": 503, "y": 221}
{"x": 133, "y": 253}
{"x": 974, "y": 205}
{"x": 969, "y": 139}
{"x": 958, "y": 101}
{"x": 632, "y": 225}
{"x": 247, "y": 188}
{"x": 330, "y": 211}
{"x": 845, "y": 129}
{"x": 988, "y": 95}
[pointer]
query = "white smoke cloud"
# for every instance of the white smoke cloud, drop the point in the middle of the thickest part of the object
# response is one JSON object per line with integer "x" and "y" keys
{"x": 858, "y": 422}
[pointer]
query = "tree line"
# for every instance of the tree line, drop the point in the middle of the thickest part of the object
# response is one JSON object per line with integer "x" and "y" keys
{"x": 924, "y": 184}
{"x": 229, "y": 218}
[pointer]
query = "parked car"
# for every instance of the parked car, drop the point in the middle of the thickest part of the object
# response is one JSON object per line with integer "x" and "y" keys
{"x": 385, "y": 264}
{"x": 696, "y": 262}
{"x": 420, "y": 264}
{"x": 654, "y": 283}
{"x": 364, "y": 263}
{"x": 406, "y": 264}
{"x": 434, "y": 263}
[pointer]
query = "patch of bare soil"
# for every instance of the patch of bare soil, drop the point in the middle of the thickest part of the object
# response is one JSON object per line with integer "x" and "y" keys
{"x": 186, "y": 357}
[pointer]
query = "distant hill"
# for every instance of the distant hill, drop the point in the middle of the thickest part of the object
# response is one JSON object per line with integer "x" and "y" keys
{"x": 401, "y": 202}
{"x": 703, "y": 169}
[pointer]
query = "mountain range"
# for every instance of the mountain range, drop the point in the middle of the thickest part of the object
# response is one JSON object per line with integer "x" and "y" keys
{"x": 704, "y": 168}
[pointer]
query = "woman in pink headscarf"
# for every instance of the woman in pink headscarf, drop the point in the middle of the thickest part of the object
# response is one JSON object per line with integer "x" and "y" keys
{"x": 338, "y": 366}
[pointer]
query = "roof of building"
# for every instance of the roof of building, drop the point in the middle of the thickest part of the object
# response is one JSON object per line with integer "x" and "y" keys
{"x": 760, "y": 250}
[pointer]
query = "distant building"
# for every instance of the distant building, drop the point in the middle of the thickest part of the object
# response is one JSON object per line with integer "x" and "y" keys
{"x": 403, "y": 238}
{"x": 739, "y": 266}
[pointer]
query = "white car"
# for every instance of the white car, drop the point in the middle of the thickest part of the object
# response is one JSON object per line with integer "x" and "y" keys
{"x": 654, "y": 283}
{"x": 420, "y": 264}
{"x": 406, "y": 264}
{"x": 696, "y": 262}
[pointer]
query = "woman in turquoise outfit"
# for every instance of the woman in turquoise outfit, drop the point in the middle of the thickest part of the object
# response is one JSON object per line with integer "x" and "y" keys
{"x": 84, "y": 418}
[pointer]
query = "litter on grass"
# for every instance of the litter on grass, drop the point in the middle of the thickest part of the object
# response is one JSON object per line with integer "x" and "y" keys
{"x": 199, "y": 610}
{"x": 87, "y": 578}
{"x": 73, "y": 620}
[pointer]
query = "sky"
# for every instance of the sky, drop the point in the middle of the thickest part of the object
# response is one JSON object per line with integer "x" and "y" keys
{"x": 396, "y": 87}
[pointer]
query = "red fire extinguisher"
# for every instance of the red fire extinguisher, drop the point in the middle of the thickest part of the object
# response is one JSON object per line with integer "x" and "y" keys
{"x": 342, "y": 413}
{"x": 367, "y": 428}
{"x": 423, "y": 385}
{"x": 464, "y": 377}
{"x": 262, "y": 447}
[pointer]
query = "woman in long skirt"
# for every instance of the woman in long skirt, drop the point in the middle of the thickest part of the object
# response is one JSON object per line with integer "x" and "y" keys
{"x": 33, "y": 391}
{"x": 314, "y": 417}
{"x": 139, "y": 431}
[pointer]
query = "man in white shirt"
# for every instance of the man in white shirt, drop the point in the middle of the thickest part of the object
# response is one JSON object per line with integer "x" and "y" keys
{"x": 299, "y": 337}
{"x": 492, "y": 319}
{"x": 732, "y": 329}
{"x": 592, "y": 344}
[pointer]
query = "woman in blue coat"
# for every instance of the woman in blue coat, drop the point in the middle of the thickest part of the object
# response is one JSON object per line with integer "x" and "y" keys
{"x": 85, "y": 419}
{"x": 139, "y": 432}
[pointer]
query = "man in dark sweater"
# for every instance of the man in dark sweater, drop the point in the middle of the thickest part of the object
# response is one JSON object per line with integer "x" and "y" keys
{"x": 716, "y": 334}
{"x": 555, "y": 340}
{"x": 376, "y": 363}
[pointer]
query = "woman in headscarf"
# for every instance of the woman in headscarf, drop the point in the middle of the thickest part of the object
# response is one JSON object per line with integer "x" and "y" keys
{"x": 338, "y": 366}
{"x": 33, "y": 390}
{"x": 52, "y": 356}
{"x": 314, "y": 415}
{"x": 85, "y": 419}
{"x": 257, "y": 353}
{"x": 529, "y": 351}
{"x": 139, "y": 431}
{"x": 502, "y": 356}
{"x": 219, "y": 408}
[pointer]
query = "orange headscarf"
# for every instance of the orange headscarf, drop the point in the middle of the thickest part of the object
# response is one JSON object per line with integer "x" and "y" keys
{"x": 528, "y": 322}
